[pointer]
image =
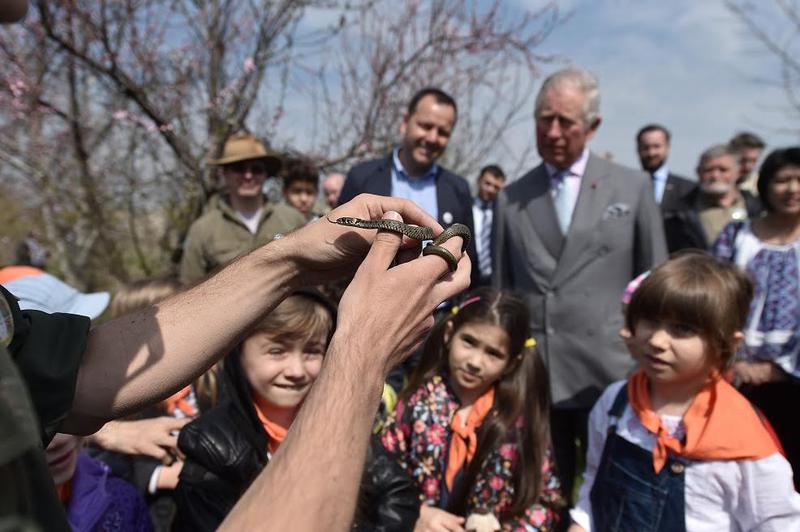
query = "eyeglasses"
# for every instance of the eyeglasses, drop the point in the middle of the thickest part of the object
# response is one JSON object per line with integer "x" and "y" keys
{"x": 243, "y": 167}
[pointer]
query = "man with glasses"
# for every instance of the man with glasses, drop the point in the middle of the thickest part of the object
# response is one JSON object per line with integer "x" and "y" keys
{"x": 241, "y": 219}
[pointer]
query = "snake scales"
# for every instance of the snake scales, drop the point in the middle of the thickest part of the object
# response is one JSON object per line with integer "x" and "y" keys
{"x": 418, "y": 233}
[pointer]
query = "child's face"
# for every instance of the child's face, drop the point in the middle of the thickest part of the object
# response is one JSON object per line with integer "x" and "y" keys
{"x": 478, "y": 353}
{"x": 62, "y": 457}
{"x": 670, "y": 352}
{"x": 282, "y": 371}
{"x": 301, "y": 195}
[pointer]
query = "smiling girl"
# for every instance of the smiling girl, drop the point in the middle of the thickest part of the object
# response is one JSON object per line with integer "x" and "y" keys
{"x": 676, "y": 447}
{"x": 472, "y": 427}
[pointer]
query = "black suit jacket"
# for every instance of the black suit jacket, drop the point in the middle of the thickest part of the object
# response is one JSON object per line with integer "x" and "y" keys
{"x": 675, "y": 192}
{"x": 452, "y": 195}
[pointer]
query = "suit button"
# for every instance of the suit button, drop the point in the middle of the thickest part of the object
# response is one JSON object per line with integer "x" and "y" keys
{"x": 551, "y": 330}
{"x": 677, "y": 467}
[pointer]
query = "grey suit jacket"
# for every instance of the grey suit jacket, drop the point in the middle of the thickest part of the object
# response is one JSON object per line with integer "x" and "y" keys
{"x": 573, "y": 284}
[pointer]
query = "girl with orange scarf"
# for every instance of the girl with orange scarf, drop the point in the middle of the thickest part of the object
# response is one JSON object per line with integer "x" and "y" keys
{"x": 472, "y": 426}
{"x": 676, "y": 447}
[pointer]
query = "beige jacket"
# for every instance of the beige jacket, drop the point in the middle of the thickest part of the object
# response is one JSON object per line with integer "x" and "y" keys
{"x": 219, "y": 236}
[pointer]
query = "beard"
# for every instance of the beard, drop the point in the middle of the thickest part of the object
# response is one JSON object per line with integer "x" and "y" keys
{"x": 716, "y": 188}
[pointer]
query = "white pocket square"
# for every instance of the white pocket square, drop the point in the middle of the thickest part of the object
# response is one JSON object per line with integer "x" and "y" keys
{"x": 616, "y": 210}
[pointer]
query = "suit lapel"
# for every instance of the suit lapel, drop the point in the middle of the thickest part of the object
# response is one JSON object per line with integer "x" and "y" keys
{"x": 592, "y": 200}
{"x": 542, "y": 212}
{"x": 382, "y": 184}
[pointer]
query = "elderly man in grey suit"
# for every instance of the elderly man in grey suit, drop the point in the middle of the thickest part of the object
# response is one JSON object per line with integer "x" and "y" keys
{"x": 568, "y": 236}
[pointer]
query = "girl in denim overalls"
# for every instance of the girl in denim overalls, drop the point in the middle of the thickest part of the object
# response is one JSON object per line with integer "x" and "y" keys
{"x": 676, "y": 447}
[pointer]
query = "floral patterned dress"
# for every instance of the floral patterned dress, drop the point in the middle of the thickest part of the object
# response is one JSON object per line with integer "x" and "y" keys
{"x": 418, "y": 435}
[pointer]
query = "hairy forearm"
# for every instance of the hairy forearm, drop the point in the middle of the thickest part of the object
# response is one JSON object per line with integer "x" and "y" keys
{"x": 312, "y": 482}
{"x": 138, "y": 359}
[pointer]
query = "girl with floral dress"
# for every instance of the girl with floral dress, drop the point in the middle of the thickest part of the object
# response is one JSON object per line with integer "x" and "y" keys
{"x": 768, "y": 249}
{"x": 472, "y": 427}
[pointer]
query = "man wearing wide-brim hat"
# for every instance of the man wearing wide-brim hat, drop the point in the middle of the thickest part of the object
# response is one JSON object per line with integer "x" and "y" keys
{"x": 242, "y": 219}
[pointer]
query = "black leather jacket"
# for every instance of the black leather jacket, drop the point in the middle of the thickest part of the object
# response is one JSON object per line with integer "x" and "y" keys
{"x": 226, "y": 449}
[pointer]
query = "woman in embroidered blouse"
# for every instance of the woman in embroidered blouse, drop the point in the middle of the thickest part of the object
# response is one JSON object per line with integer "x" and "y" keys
{"x": 768, "y": 248}
{"x": 472, "y": 426}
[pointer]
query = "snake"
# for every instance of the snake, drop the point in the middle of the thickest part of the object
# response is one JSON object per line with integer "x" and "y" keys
{"x": 417, "y": 232}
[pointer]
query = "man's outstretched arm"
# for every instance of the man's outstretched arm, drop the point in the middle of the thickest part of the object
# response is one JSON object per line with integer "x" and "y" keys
{"x": 312, "y": 482}
{"x": 138, "y": 359}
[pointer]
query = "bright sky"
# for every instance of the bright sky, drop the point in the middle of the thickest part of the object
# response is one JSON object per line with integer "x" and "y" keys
{"x": 687, "y": 64}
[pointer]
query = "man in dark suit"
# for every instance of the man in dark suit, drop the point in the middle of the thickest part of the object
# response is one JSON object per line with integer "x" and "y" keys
{"x": 411, "y": 172}
{"x": 568, "y": 237}
{"x": 653, "y": 144}
{"x": 490, "y": 180}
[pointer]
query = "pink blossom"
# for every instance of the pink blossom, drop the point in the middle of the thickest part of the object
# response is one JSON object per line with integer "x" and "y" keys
{"x": 249, "y": 64}
{"x": 419, "y": 426}
{"x": 496, "y": 483}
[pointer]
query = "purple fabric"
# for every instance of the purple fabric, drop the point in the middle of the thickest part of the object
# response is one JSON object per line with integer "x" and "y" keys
{"x": 101, "y": 501}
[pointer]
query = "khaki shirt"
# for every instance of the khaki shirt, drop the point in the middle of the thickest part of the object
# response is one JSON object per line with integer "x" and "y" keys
{"x": 219, "y": 236}
{"x": 714, "y": 218}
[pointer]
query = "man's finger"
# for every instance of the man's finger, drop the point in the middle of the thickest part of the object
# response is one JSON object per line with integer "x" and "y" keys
{"x": 385, "y": 246}
{"x": 448, "y": 286}
{"x": 453, "y": 245}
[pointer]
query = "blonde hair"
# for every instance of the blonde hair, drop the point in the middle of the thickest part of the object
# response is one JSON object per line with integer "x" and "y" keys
{"x": 142, "y": 293}
{"x": 298, "y": 317}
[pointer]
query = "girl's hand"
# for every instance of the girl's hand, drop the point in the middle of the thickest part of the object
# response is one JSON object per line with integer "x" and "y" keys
{"x": 154, "y": 437}
{"x": 168, "y": 476}
{"x": 756, "y": 373}
{"x": 436, "y": 520}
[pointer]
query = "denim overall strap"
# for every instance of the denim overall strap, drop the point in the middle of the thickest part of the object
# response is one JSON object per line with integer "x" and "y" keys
{"x": 628, "y": 495}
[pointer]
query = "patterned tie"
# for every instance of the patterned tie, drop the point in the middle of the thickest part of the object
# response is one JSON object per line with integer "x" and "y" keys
{"x": 485, "y": 254}
{"x": 562, "y": 201}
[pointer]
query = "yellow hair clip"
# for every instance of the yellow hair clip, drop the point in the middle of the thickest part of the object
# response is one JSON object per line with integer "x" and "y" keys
{"x": 530, "y": 343}
{"x": 454, "y": 310}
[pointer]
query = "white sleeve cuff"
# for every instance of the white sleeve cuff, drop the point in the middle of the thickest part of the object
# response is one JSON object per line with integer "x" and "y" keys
{"x": 582, "y": 518}
{"x": 152, "y": 486}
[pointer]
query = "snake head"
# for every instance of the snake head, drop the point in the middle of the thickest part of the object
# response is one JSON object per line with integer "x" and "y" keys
{"x": 345, "y": 220}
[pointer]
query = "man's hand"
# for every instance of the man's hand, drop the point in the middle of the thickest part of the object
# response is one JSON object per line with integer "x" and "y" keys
{"x": 388, "y": 310}
{"x": 324, "y": 251}
{"x": 435, "y": 520}
{"x": 756, "y": 373}
{"x": 149, "y": 437}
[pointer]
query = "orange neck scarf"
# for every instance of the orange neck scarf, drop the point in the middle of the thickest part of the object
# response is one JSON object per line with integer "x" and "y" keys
{"x": 64, "y": 492}
{"x": 464, "y": 441}
{"x": 720, "y": 425}
{"x": 276, "y": 432}
{"x": 178, "y": 401}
